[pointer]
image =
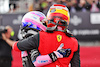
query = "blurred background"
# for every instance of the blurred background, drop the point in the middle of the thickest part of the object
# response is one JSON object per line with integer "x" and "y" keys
{"x": 84, "y": 24}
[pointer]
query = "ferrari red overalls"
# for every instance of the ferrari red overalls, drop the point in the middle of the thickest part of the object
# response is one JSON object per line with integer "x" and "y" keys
{"x": 49, "y": 42}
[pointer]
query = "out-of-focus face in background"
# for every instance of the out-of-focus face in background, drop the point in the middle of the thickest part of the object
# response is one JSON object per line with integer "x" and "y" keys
{"x": 82, "y": 2}
{"x": 8, "y": 33}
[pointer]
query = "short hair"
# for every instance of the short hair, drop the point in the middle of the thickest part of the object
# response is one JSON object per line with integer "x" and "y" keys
{"x": 8, "y": 27}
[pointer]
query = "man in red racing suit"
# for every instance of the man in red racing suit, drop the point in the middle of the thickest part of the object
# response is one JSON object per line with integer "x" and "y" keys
{"x": 47, "y": 45}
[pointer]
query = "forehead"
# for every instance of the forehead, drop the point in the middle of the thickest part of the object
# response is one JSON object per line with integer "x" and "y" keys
{"x": 9, "y": 29}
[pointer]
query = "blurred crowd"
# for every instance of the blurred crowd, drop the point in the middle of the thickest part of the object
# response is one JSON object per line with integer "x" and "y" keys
{"x": 73, "y": 5}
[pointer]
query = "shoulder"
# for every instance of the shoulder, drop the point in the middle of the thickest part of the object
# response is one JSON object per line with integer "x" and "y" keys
{"x": 75, "y": 43}
{"x": 42, "y": 32}
{"x": 69, "y": 34}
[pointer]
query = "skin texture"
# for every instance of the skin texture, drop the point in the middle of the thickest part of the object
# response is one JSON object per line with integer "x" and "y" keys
{"x": 6, "y": 36}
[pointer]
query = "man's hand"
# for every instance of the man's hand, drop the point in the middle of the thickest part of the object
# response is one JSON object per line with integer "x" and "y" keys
{"x": 10, "y": 42}
{"x": 34, "y": 54}
{"x": 60, "y": 53}
{"x": 4, "y": 36}
{"x": 64, "y": 52}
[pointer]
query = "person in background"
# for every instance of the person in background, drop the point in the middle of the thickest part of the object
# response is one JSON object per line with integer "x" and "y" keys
{"x": 94, "y": 7}
{"x": 6, "y": 47}
{"x": 73, "y": 6}
{"x": 58, "y": 20}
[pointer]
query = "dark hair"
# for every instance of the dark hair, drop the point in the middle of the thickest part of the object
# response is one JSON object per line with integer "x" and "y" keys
{"x": 93, "y": 1}
{"x": 13, "y": 5}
